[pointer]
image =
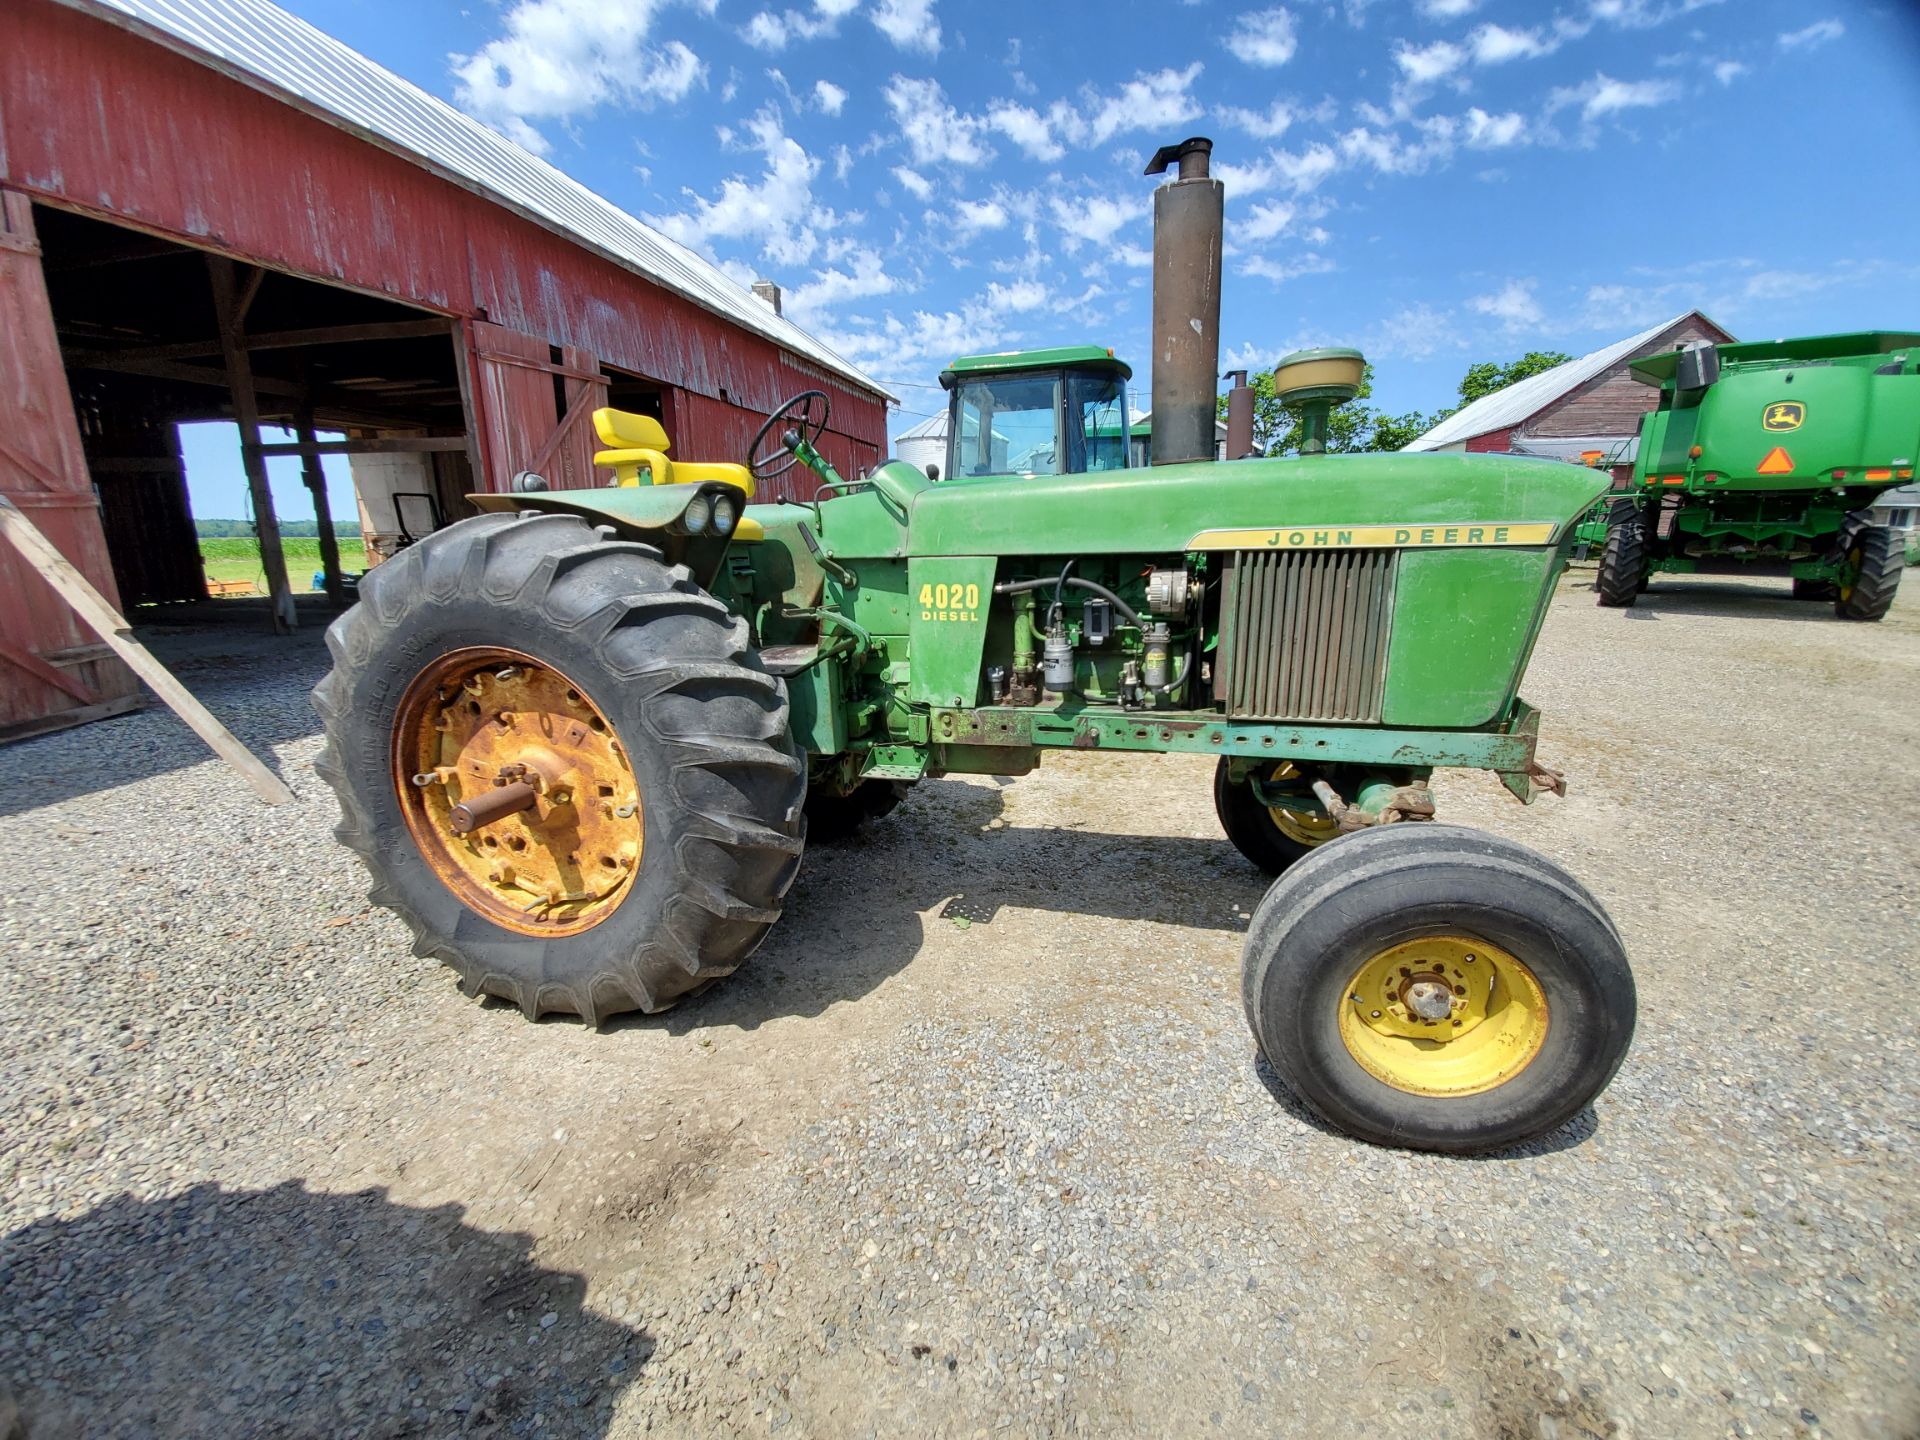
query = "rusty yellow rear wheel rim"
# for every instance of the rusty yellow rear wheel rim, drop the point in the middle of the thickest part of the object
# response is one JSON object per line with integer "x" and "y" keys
{"x": 1303, "y": 827}
{"x": 517, "y": 791}
{"x": 1445, "y": 1015}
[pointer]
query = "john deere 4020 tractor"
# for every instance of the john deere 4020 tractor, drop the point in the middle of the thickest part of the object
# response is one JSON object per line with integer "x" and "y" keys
{"x": 582, "y": 740}
{"x": 1763, "y": 459}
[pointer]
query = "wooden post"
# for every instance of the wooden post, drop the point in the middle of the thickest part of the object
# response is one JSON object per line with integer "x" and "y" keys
{"x": 230, "y": 315}
{"x": 111, "y": 626}
{"x": 312, "y": 471}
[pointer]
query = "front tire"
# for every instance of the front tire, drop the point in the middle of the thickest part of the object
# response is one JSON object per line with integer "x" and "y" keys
{"x": 533, "y": 645}
{"x": 1271, "y": 838}
{"x": 1878, "y": 560}
{"x": 1623, "y": 559}
{"x": 1436, "y": 988}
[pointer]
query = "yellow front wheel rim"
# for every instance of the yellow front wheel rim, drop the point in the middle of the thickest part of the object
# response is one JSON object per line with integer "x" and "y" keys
{"x": 1300, "y": 826}
{"x": 1444, "y": 1015}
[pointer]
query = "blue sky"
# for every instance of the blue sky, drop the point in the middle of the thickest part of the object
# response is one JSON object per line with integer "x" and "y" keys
{"x": 1436, "y": 181}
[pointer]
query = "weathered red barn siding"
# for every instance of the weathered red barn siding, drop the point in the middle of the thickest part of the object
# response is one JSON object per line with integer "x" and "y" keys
{"x": 1613, "y": 402}
{"x": 1494, "y": 442}
{"x": 103, "y": 121}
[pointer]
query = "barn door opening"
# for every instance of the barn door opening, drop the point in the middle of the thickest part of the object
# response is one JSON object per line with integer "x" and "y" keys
{"x": 533, "y": 404}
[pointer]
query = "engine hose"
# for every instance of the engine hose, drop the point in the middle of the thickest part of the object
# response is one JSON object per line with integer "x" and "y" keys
{"x": 1127, "y": 612}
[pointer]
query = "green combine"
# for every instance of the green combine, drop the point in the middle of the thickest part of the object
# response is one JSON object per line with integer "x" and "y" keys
{"x": 582, "y": 740}
{"x": 1763, "y": 459}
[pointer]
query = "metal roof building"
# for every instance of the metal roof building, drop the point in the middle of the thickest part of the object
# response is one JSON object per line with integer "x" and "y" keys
{"x": 1578, "y": 408}
{"x": 211, "y": 210}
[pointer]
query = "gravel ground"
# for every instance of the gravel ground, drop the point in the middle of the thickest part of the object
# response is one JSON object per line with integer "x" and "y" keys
{"x": 978, "y": 1143}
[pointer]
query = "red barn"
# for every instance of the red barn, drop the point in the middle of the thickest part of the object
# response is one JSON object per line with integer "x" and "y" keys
{"x": 1590, "y": 407}
{"x": 211, "y": 210}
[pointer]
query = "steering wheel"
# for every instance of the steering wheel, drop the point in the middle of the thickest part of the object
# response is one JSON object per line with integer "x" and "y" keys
{"x": 805, "y": 416}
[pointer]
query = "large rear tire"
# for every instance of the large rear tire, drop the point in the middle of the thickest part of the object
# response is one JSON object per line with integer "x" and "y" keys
{"x": 537, "y": 646}
{"x": 1623, "y": 559}
{"x": 1271, "y": 838}
{"x": 1878, "y": 559}
{"x": 1438, "y": 988}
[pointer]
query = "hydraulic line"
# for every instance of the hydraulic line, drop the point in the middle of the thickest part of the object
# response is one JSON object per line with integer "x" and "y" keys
{"x": 1127, "y": 612}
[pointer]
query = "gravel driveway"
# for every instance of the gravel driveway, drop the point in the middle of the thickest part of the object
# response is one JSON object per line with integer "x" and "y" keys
{"x": 977, "y": 1144}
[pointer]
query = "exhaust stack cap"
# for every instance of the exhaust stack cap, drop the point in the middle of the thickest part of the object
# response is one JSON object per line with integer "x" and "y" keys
{"x": 1191, "y": 155}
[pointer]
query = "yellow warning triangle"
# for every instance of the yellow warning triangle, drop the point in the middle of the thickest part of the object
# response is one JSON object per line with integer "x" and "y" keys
{"x": 1778, "y": 462}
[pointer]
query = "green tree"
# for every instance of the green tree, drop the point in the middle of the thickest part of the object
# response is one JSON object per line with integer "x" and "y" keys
{"x": 1489, "y": 375}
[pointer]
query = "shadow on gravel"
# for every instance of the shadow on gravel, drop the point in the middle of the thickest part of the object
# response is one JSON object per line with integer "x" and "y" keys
{"x": 1577, "y": 1131}
{"x": 1728, "y": 599}
{"x": 854, "y": 918}
{"x": 292, "y": 1313}
{"x": 254, "y": 682}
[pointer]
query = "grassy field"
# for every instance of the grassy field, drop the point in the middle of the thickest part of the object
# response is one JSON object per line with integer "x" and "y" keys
{"x": 235, "y": 558}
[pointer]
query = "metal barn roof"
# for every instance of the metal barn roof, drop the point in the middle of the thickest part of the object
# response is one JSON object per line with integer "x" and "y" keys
{"x": 1528, "y": 397}
{"x": 262, "y": 45}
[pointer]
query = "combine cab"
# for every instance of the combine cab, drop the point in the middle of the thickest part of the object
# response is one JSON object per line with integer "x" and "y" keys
{"x": 581, "y": 741}
{"x": 1763, "y": 459}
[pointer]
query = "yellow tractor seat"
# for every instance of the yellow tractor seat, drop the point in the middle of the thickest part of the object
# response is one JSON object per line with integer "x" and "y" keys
{"x": 638, "y": 442}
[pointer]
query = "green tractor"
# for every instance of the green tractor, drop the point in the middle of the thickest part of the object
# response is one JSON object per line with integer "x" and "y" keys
{"x": 1763, "y": 459}
{"x": 582, "y": 740}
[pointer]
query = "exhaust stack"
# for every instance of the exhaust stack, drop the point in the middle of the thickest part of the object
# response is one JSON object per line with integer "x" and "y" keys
{"x": 1239, "y": 416}
{"x": 1188, "y": 218}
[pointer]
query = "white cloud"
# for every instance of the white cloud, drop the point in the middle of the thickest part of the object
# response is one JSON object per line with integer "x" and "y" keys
{"x": 1727, "y": 71}
{"x": 1495, "y": 45}
{"x": 1429, "y": 63}
{"x": 768, "y": 31}
{"x": 1019, "y": 297}
{"x": 1493, "y": 132}
{"x": 934, "y": 131}
{"x": 829, "y": 96}
{"x": 1415, "y": 332}
{"x": 1097, "y": 219}
{"x": 1447, "y": 9}
{"x": 1603, "y": 95}
{"x": 560, "y": 58}
{"x": 909, "y": 24}
{"x": 1033, "y": 132}
{"x": 777, "y": 210}
{"x": 1265, "y": 37}
{"x": 1388, "y": 153}
{"x": 866, "y": 276}
{"x": 1299, "y": 171}
{"x": 1263, "y": 222}
{"x": 842, "y": 162}
{"x": 1146, "y": 102}
{"x": 1281, "y": 271}
{"x": 1268, "y": 124}
{"x": 913, "y": 182}
{"x": 1512, "y": 305}
{"x": 974, "y": 216}
{"x": 1817, "y": 33}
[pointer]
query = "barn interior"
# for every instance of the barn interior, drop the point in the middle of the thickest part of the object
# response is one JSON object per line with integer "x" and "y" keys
{"x": 155, "y": 334}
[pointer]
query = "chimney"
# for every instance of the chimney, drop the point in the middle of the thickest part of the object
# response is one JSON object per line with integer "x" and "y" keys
{"x": 769, "y": 292}
{"x": 1188, "y": 217}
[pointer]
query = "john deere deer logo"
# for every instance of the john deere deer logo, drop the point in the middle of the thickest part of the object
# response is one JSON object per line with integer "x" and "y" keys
{"x": 1783, "y": 415}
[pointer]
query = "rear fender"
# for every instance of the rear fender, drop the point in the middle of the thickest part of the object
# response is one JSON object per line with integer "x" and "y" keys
{"x": 653, "y": 514}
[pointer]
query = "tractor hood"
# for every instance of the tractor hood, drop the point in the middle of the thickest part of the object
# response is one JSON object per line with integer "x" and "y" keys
{"x": 1358, "y": 500}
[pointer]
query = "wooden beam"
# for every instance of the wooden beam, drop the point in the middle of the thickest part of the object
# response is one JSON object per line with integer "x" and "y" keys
{"x": 397, "y": 445}
{"x": 269, "y": 340}
{"x": 189, "y": 375}
{"x": 112, "y": 627}
{"x": 316, "y": 478}
{"x": 246, "y": 414}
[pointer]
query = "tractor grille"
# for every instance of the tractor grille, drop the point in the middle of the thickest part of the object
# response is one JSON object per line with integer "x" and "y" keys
{"x": 1306, "y": 634}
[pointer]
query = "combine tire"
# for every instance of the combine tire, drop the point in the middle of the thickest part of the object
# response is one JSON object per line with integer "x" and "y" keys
{"x": 563, "y": 764}
{"x": 840, "y": 817}
{"x": 1623, "y": 559}
{"x": 1877, "y": 558}
{"x": 1273, "y": 838}
{"x": 1438, "y": 988}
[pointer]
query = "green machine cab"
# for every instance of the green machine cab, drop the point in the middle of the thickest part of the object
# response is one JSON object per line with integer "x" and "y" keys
{"x": 582, "y": 740}
{"x": 1763, "y": 458}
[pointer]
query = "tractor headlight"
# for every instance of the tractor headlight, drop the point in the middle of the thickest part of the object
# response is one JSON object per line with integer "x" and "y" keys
{"x": 698, "y": 512}
{"x": 725, "y": 512}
